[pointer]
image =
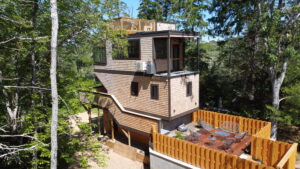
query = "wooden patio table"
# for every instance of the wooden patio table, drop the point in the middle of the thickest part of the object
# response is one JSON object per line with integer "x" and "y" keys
{"x": 236, "y": 148}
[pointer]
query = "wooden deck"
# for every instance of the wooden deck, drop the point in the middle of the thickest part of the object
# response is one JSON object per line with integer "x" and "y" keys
{"x": 237, "y": 148}
{"x": 265, "y": 153}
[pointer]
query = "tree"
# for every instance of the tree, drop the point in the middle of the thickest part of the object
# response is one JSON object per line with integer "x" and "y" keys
{"x": 271, "y": 27}
{"x": 54, "y": 94}
{"x": 25, "y": 84}
{"x": 159, "y": 10}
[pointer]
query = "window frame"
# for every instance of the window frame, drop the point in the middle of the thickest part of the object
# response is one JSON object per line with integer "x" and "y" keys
{"x": 102, "y": 61}
{"x": 152, "y": 94}
{"x": 132, "y": 89}
{"x": 127, "y": 57}
{"x": 165, "y": 50}
{"x": 189, "y": 89}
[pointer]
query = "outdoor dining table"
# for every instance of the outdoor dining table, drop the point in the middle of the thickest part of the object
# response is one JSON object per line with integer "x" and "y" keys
{"x": 236, "y": 148}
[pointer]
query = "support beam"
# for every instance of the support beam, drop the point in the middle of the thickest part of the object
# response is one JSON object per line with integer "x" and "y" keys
{"x": 127, "y": 134}
{"x": 112, "y": 129}
{"x": 90, "y": 115}
{"x": 99, "y": 126}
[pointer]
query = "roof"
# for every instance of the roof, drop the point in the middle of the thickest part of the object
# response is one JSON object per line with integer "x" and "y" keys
{"x": 165, "y": 33}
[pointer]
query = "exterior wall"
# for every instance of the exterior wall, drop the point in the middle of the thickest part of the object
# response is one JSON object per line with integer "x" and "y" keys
{"x": 127, "y": 65}
{"x": 160, "y": 161}
{"x": 138, "y": 123}
{"x": 179, "y": 101}
{"x": 119, "y": 86}
{"x": 173, "y": 124}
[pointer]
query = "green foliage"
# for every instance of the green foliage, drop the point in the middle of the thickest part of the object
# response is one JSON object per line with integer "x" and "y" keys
{"x": 179, "y": 135}
{"x": 187, "y": 14}
{"x": 25, "y": 58}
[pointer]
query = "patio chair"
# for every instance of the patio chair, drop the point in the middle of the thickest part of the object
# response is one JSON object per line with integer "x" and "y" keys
{"x": 182, "y": 128}
{"x": 194, "y": 133}
{"x": 227, "y": 143}
{"x": 240, "y": 136}
{"x": 206, "y": 125}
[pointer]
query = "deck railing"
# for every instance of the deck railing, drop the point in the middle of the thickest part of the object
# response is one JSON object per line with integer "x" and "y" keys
{"x": 200, "y": 156}
{"x": 272, "y": 154}
{"x": 254, "y": 127}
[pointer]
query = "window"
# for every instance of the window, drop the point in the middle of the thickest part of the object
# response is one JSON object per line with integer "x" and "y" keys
{"x": 134, "y": 88}
{"x": 160, "y": 47}
{"x": 189, "y": 91}
{"x": 99, "y": 55}
{"x": 134, "y": 49}
{"x": 130, "y": 51}
{"x": 154, "y": 91}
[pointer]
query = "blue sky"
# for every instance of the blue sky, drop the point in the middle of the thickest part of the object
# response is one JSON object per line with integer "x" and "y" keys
{"x": 133, "y": 5}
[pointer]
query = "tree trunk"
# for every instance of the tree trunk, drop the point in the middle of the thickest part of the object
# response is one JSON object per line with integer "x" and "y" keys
{"x": 276, "y": 86}
{"x": 54, "y": 94}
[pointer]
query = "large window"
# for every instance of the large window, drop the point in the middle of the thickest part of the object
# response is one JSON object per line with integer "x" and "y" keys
{"x": 129, "y": 51}
{"x": 160, "y": 47}
{"x": 154, "y": 91}
{"x": 99, "y": 55}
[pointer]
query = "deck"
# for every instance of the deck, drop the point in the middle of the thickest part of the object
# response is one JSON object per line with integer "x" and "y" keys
{"x": 204, "y": 153}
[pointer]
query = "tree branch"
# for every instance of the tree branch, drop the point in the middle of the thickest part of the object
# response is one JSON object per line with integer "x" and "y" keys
{"x": 26, "y": 87}
{"x": 23, "y": 38}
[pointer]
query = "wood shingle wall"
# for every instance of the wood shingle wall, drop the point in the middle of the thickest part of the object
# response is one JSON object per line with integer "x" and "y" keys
{"x": 136, "y": 122}
{"x": 180, "y": 102}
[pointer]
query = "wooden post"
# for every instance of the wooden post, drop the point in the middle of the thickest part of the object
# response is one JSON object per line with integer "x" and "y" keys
{"x": 99, "y": 127}
{"x": 127, "y": 134}
{"x": 112, "y": 129}
{"x": 154, "y": 129}
{"x": 90, "y": 115}
{"x": 129, "y": 138}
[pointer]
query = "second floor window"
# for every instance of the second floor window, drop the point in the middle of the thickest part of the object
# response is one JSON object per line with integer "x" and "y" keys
{"x": 160, "y": 47}
{"x": 130, "y": 51}
{"x": 99, "y": 55}
{"x": 134, "y": 88}
{"x": 154, "y": 91}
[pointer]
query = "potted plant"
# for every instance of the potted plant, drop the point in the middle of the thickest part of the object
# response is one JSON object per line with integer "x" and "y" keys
{"x": 212, "y": 136}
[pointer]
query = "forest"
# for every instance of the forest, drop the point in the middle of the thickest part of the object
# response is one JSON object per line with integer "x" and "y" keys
{"x": 253, "y": 70}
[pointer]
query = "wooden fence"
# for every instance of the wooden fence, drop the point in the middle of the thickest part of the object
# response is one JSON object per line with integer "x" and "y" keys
{"x": 254, "y": 127}
{"x": 274, "y": 153}
{"x": 200, "y": 156}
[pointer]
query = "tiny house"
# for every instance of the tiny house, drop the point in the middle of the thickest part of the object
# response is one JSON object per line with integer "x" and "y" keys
{"x": 149, "y": 84}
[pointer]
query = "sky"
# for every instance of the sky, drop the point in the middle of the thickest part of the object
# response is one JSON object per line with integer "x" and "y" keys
{"x": 133, "y": 5}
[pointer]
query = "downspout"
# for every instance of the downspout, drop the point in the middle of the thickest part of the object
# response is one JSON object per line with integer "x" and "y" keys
{"x": 169, "y": 66}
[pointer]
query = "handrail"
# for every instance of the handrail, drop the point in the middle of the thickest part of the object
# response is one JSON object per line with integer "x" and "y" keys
{"x": 120, "y": 106}
{"x": 287, "y": 156}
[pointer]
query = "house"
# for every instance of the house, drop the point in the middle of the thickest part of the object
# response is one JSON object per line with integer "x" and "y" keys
{"x": 149, "y": 89}
{"x": 150, "y": 84}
